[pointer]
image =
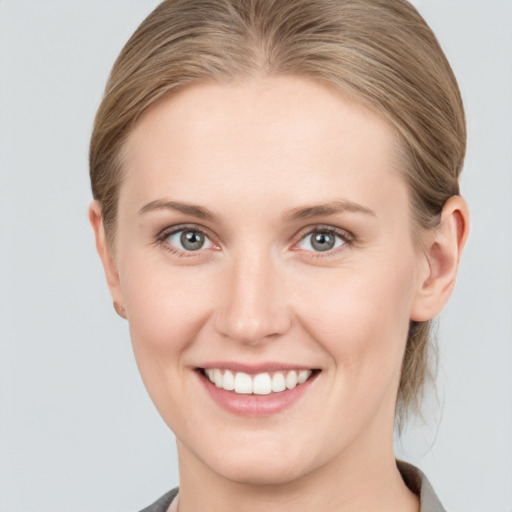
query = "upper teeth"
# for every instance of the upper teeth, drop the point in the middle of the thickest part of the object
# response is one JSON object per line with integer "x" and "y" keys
{"x": 260, "y": 384}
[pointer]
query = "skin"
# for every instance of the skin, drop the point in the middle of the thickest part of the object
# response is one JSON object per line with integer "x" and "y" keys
{"x": 252, "y": 154}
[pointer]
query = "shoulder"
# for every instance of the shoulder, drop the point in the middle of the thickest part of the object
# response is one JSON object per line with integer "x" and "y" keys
{"x": 419, "y": 484}
{"x": 162, "y": 504}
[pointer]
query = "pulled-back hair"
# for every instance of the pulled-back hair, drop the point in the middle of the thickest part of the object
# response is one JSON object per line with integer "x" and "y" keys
{"x": 379, "y": 53}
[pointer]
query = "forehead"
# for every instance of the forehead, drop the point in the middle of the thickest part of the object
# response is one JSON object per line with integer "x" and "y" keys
{"x": 280, "y": 139}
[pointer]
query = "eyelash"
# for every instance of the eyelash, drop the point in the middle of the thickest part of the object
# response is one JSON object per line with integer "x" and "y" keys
{"x": 346, "y": 238}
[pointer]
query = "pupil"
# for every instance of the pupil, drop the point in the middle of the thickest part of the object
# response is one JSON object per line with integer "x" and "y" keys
{"x": 322, "y": 241}
{"x": 192, "y": 240}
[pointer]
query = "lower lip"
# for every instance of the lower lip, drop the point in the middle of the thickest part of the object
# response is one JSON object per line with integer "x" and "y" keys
{"x": 255, "y": 405}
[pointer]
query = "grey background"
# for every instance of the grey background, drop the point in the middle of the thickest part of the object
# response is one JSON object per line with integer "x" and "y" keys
{"x": 77, "y": 431}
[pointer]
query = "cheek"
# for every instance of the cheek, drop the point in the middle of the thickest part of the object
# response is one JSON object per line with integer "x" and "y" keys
{"x": 360, "y": 318}
{"x": 166, "y": 307}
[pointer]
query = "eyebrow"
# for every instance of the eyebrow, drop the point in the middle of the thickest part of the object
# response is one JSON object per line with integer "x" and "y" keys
{"x": 304, "y": 212}
{"x": 331, "y": 208}
{"x": 186, "y": 209}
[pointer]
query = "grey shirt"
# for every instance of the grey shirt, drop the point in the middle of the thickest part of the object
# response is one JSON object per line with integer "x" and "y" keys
{"x": 413, "y": 478}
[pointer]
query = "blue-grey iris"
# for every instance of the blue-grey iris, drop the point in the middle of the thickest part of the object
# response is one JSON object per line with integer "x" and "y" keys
{"x": 322, "y": 241}
{"x": 192, "y": 240}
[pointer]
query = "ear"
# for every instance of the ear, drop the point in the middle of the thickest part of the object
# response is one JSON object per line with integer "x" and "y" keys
{"x": 109, "y": 265}
{"x": 443, "y": 249}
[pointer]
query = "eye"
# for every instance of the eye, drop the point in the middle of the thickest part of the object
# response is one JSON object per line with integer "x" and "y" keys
{"x": 322, "y": 240}
{"x": 188, "y": 239}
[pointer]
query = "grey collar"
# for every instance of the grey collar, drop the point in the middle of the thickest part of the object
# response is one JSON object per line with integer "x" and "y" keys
{"x": 419, "y": 485}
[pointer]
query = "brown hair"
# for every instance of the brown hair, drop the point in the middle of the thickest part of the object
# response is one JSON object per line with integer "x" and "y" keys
{"x": 380, "y": 53}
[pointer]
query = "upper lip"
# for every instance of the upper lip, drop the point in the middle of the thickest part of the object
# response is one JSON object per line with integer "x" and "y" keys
{"x": 254, "y": 368}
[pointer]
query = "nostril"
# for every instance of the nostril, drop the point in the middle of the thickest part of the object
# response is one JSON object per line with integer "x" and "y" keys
{"x": 254, "y": 327}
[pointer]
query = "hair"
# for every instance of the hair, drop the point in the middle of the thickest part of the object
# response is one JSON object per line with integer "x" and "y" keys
{"x": 379, "y": 53}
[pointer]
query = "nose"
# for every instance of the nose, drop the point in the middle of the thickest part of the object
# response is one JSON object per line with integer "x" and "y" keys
{"x": 253, "y": 308}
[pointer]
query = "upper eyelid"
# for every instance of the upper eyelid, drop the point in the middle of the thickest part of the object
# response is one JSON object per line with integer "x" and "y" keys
{"x": 318, "y": 228}
{"x": 170, "y": 230}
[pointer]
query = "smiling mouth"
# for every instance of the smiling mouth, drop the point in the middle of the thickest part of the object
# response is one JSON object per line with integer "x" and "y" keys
{"x": 264, "y": 383}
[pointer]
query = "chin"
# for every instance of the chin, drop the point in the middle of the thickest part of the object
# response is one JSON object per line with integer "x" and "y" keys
{"x": 260, "y": 473}
{"x": 262, "y": 465}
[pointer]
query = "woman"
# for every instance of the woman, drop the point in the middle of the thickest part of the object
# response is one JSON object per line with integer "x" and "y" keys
{"x": 278, "y": 214}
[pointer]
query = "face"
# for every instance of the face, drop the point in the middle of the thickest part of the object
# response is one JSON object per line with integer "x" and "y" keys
{"x": 264, "y": 243}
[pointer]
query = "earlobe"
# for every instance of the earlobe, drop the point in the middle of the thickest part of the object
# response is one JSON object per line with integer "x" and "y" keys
{"x": 443, "y": 250}
{"x": 109, "y": 266}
